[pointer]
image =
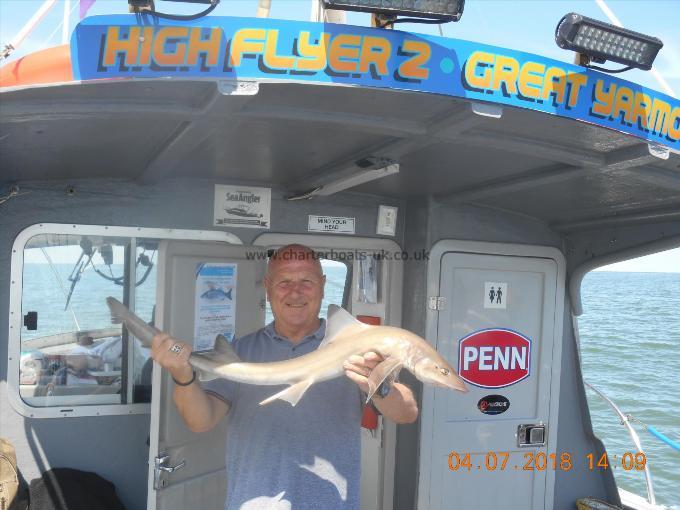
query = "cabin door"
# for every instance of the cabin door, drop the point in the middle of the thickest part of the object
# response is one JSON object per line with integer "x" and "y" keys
{"x": 203, "y": 287}
{"x": 494, "y": 447}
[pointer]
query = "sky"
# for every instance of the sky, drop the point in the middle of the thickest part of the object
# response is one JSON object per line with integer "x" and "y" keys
{"x": 526, "y": 25}
{"x": 663, "y": 262}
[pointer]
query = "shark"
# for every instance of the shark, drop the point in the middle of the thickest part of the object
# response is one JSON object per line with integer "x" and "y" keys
{"x": 345, "y": 336}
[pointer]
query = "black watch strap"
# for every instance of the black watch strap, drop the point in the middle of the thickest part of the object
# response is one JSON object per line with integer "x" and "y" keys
{"x": 190, "y": 381}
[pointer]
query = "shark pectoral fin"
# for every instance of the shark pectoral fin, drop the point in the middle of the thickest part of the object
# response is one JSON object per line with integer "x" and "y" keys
{"x": 385, "y": 369}
{"x": 292, "y": 393}
{"x": 204, "y": 375}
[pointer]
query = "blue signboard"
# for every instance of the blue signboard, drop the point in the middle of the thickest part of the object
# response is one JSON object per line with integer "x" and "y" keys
{"x": 260, "y": 49}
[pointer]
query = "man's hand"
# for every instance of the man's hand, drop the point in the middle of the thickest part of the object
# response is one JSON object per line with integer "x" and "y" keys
{"x": 200, "y": 410}
{"x": 399, "y": 405}
{"x": 172, "y": 355}
{"x": 358, "y": 368}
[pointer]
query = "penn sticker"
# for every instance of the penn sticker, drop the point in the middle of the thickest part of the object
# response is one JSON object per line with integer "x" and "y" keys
{"x": 494, "y": 358}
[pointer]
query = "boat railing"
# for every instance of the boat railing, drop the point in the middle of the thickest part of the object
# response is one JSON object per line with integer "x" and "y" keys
{"x": 625, "y": 420}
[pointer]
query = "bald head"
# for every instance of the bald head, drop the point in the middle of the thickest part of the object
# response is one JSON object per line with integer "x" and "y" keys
{"x": 85, "y": 341}
{"x": 294, "y": 255}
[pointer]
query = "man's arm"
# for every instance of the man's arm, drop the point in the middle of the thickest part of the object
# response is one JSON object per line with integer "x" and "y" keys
{"x": 399, "y": 405}
{"x": 200, "y": 410}
{"x": 82, "y": 362}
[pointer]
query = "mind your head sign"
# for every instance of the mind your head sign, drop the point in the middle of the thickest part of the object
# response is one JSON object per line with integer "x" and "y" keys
{"x": 260, "y": 49}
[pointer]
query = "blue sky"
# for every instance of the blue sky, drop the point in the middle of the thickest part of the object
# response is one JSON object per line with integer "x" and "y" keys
{"x": 527, "y": 25}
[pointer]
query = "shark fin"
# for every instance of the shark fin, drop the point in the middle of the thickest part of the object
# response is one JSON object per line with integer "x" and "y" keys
{"x": 224, "y": 351}
{"x": 338, "y": 320}
{"x": 291, "y": 394}
{"x": 388, "y": 368}
{"x": 204, "y": 375}
{"x": 222, "y": 354}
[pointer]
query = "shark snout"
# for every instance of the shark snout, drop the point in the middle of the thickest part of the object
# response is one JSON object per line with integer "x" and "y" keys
{"x": 456, "y": 383}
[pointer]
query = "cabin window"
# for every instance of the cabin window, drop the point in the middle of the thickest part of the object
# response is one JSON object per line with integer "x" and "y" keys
{"x": 71, "y": 359}
{"x": 336, "y": 292}
{"x": 71, "y": 353}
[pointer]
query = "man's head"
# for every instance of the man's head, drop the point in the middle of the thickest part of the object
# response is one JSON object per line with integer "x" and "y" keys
{"x": 294, "y": 284}
{"x": 85, "y": 341}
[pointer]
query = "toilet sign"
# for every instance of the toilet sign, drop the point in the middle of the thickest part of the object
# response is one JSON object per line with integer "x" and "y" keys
{"x": 494, "y": 358}
{"x": 495, "y": 295}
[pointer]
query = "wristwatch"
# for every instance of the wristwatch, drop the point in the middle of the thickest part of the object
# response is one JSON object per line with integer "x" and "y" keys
{"x": 384, "y": 389}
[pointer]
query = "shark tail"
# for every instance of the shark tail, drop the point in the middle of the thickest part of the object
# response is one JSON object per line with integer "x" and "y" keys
{"x": 120, "y": 314}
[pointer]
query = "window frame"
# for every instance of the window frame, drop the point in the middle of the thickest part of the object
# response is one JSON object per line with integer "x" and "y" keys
{"x": 16, "y": 319}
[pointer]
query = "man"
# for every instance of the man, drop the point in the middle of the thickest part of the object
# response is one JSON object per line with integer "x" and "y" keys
{"x": 81, "y": 360}
{"x": 279, "y": 456}
{"x": 88, "y": 357}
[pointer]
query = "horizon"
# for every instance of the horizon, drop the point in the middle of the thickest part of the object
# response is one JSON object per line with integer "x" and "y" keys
{"x": 665, "y": 262}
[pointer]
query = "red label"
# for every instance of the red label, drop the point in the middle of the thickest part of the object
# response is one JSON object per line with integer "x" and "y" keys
{"x": 494, "y": 358}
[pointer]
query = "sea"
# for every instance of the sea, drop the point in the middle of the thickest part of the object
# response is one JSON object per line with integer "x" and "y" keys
{"x": 629, "y": 341}
{"x": 630, "y": 348}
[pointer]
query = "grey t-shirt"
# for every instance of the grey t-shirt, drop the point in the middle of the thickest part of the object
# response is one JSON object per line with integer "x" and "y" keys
{"x": 306, "y": 457}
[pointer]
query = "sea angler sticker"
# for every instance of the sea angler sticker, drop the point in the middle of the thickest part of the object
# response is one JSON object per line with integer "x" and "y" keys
{"x": 493, "y": 404}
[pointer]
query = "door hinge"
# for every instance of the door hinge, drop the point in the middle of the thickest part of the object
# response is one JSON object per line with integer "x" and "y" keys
{"x": 436, "y": 303}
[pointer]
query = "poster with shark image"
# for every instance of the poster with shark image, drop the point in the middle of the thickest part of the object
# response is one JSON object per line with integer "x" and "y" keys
{"x": 215, "y": 302}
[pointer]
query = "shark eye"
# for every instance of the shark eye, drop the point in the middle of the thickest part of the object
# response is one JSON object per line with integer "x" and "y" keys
{"x": 444, "y": 371}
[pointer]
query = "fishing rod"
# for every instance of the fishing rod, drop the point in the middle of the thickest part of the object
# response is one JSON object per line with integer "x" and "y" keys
{"x": 106, "y": 252}
{"x": 651, "y": 497}
{"x": 655, "y": 432}
{"x": 61, "y": 285}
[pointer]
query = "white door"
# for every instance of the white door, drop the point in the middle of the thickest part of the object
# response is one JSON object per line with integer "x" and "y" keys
{"x": 490, "y": 448}
{"x": 200, "y": 480}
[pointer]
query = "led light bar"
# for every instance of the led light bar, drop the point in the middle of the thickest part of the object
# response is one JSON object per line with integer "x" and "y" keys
{"x": 602, "y": 41}
{"x": 445, "y": 10}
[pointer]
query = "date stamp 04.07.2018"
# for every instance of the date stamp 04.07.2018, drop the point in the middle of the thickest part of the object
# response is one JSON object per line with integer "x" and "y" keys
{"x": 541, "y": 461}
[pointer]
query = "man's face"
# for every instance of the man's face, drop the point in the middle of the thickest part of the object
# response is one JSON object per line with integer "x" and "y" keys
{"x": 294, "y": 290}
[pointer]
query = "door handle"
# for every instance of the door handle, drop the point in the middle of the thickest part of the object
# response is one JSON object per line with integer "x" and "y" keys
{"x": 531, "y": 434}
{"x": 160, "y": 478}
{"x": 172, "y": 469}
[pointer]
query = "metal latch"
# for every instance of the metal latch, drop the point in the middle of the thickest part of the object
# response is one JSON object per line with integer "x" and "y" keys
{"x": 436, "y": 302}
{"x": 160, "y": 472}
{"x": 531, "y": 435}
